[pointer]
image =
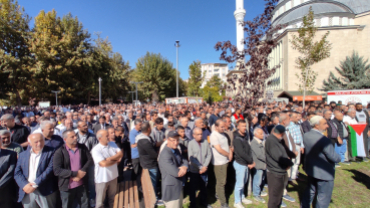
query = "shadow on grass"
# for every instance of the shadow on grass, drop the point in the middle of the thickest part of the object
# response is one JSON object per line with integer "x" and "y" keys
{"x": 360, "y": 177}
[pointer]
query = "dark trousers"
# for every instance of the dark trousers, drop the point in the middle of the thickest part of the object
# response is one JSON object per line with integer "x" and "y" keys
{"x": 137, "y": 172}
{"x": 276, "y": 189}
{"x": 74, "y": 197}
{"x": 126, "y": 153}
{"x": 8, "y": 195}
{"x": 323, "y": 189}
{"x": 198, "y": 181}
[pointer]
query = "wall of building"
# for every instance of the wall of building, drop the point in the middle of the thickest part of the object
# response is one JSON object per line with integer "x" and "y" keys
{"x": 211, "y": 69}
{"x": 344, "y": 41}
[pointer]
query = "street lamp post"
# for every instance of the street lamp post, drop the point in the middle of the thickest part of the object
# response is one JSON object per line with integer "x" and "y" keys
{"x": 177, "y": 45}
{"x": 136, "y": 83}
{"x": 99, "y": 90}
{"x": 56, "y": 96}
{"x": 132, "y": 95}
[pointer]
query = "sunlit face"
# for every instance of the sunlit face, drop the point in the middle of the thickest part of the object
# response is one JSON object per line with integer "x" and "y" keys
{"x": 242, "y": 127}
{"x": 221, "y": 127}
{"x": 9, "y": 123}
{"x": 6, "y": 140}
{"x": 173, "y": 142}
{"x": 48, "y": 130}
{"x": 71, "y": 139}
{"x": 111, "y": 135}
{"x": 104, "y": 139}
{"x": 197, "y": 134}
{"x": 36, "y": 141}
{"x": 181, "y": 132}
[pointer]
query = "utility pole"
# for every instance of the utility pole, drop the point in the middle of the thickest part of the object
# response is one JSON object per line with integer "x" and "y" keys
{"x": 132, "y": 95}
{"x": 177, "y": 45}
{"x": 136, "y": 83}
{"x": 56, "y": 96}
{"x": 100, "y": 80}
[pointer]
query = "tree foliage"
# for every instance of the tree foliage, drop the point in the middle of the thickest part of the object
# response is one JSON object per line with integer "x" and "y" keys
{"x": 259, "y": 43}
{"x": 311, "y": 52}
{"x": 195, "y": 78}
{"x": 354, "y": 73}
{"x": 158, "y": 77}
{"x": 56, "y": 54}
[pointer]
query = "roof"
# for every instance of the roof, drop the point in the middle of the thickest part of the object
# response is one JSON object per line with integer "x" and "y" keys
{"x": 296, "y": 93}
{"x": 318, "y": 8}
{"x": 357, "y": 6}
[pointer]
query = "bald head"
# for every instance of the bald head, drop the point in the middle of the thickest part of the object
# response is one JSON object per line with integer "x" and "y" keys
{"x": 197, "y": 134}
{"x": 338, "y": 115}
{"x": 36, "y": 141}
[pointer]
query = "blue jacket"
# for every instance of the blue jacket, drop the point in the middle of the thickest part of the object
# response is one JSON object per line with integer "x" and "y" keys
{"x": 45, "y": 179}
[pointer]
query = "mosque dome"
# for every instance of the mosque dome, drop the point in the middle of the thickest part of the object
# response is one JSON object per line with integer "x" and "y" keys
{"x": 327, "y": 12}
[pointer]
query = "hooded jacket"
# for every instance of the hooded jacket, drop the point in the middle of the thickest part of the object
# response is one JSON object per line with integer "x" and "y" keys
{"x": 147, "y": 151}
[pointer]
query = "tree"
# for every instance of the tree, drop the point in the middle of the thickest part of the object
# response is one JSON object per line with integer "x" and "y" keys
{"x": 260, "y": 40}
{"x": 311, "y": 52}
{"x": 15, "y": 57}
{"x": 157, "y": 75}
{"x": 195, "y": 78}
{"x": 354, "y": 74}
{"x": 215, "y": 81}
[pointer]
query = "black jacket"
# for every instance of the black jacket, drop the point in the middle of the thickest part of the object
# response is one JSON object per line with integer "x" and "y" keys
{"x": 147, "y": 151}
{"x": 242, "y": 149}
{"x": 62, "y": 166}
{"x": 306, "y": 126}
{"x": 277, "y": 159}
{"x": 19, "y": 134}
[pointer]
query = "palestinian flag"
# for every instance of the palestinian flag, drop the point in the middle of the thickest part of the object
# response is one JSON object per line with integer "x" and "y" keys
{"x": 357, "y": 139}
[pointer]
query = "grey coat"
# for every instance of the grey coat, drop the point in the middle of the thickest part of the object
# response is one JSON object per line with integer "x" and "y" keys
{"x": 259, "y": 154}
{"x": 320, "y": 156}
{"x": 169, "y": 167}
{"x": 199, "y": 157}
{"x": 90, "y": 141}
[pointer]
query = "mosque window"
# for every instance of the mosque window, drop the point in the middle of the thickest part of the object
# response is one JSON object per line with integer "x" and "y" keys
{"x": 340, "y": 21}
{"x": 318, "y": 22}
{"x": 330, "y": 21}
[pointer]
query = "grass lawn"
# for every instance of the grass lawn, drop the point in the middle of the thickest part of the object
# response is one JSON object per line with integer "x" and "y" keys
{"x": 351, "y": 189}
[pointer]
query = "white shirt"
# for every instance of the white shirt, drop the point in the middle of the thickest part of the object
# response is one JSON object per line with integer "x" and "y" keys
{"x": 219, "y": 139}
{"x": 100, "y": 153}
{"x": 349, "y": 120}
{"x": 33, "y": 165}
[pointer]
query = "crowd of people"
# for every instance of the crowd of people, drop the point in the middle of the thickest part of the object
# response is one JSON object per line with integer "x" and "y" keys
{"x": 75, "y": 156}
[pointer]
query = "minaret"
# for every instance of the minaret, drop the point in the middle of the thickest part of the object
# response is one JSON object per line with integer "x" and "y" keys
{"x": 239, "y": 15}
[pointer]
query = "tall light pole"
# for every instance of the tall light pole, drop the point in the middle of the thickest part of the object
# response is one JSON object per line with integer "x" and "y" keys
{"x": 177, "y": 45}
{"x": 100, "y": 90}
{"x": 56, "y": 96}
{"x": 136, "y": 83}
{"x": 132, "y": 95}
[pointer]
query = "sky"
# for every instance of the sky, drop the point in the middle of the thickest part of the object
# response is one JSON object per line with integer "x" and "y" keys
{"x": 135, "y": 27}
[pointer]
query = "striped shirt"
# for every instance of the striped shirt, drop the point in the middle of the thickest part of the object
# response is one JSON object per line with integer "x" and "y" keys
{"x": 296, "y": 133}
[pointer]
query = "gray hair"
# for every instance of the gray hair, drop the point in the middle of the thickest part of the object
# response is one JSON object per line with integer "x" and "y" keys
{"x": 325, "y": 111}
{"x": 255, "y": 131}
{"x": 45, "y": 123}
{"x": 197, "y": 129}
{"x": 350, "y": 110}
{"x": 137, "y": 121}
{"x": 7, "y": 116}
{"x": 99, "y": 134}
{"x": 282, "y": 117}
{"x": 315, "y": 120}
{"x": 115, "y": 118}
{"x": 64, "y": 135}
{"x": 4, "y": 132}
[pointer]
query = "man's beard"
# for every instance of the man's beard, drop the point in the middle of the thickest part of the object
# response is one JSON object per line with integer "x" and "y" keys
{"x": 359, "y": 110}
{"x": 6, "y": 144}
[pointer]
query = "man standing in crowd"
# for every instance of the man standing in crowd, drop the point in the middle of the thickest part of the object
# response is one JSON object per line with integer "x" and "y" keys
{"x": 173, "y": 168}
{"x": 19, "y": 133}
{"x": 51, "y": 140}
{"x": 362, "y": 116}
{"x": 221, "y": 157}
{"x": 213, "y": 118}
{"x": 343, "y": 134}
{"x": 134, "y": 152}
{"x": 319, "y": 164}
{"x": 259, "y": 158}
{"x": 243, "y": 162}
{"x": 8, "y": 161}
{"x": 158, "y": 131}
{"x": 277, "y": 162}
{"x": 5, "y": 136}
{"x": 200, "y": 155}
{"x": 70, "y": 165}
{"x": 148, "y": 156}
{"x": 100, "y": 125}
{"x": 105, "y": 159}
{"x": 295, "y": 130}
{"x": 184, "y": 123}
{"x": 34, "y": 175}
{"x": 89, "y": 140}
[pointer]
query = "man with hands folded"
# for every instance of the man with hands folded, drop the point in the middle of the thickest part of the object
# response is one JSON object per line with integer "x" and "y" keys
{"x": 173, "y": 168}
{"x": 71, "y": 162}
{"x": 34, "y": 174}
{"x": 106, "y": 157}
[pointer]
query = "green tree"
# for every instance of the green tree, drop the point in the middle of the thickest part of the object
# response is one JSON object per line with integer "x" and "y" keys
{"x": 354, "y": 73}
{"x": 213, "y": 91}
{"x": 311, "y": 52}
{"x": 215, "y": 81}
{"x": 14, "y": 53}
{"x": 195, "y": 78}
{"x": 157, "y": 75}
